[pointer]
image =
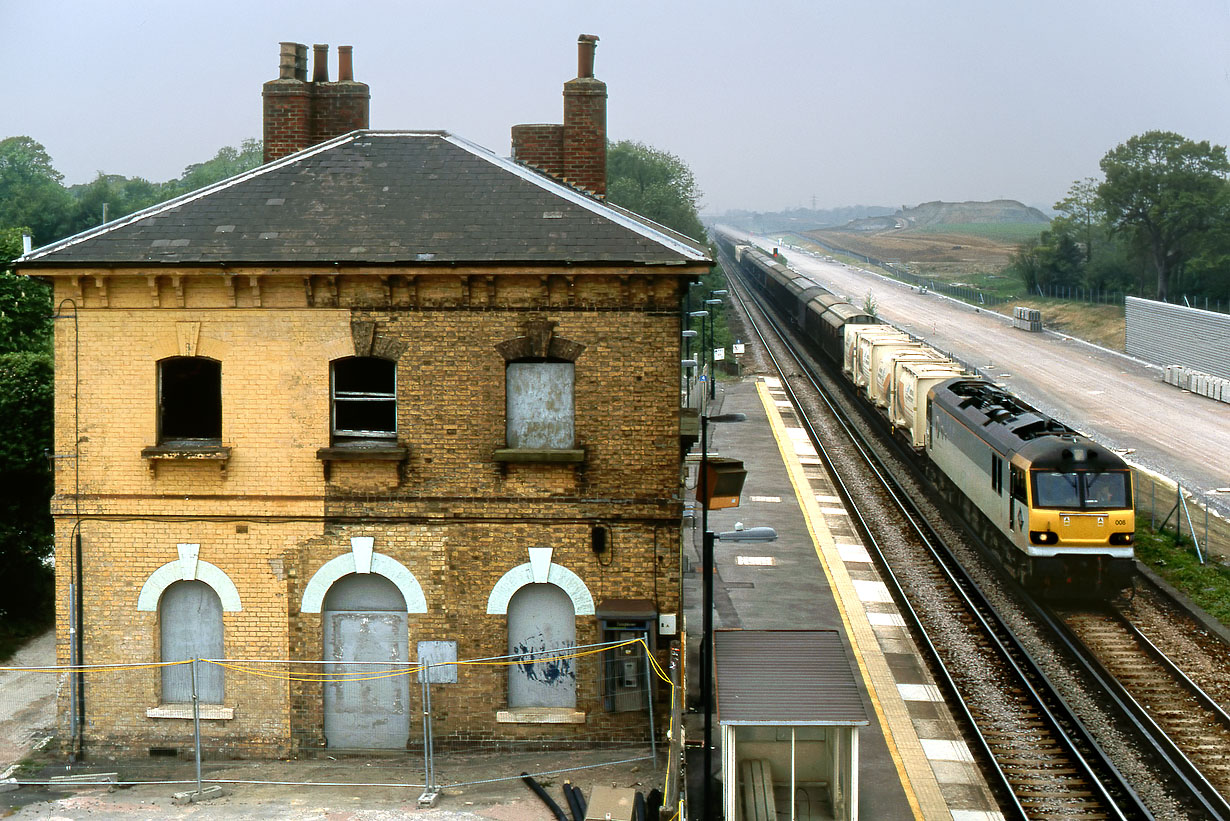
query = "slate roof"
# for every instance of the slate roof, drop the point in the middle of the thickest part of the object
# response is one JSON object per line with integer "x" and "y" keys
{"x": 380, "y": 198}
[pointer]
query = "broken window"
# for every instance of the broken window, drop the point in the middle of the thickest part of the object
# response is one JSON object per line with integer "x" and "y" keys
{"x": 539, "y": 399}
{"x": 364, "y": 399}
{"x": 189, "y": 400}
{"x": 190, "y": 623}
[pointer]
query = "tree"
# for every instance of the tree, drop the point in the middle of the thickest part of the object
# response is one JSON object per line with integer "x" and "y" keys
{"x": 1081, "y": 209}
{"x": 113, "y": 195}
{"x": 25, "y": 477}
{"x": 124, "y": 195}
{"x": 1208, "y": 269}
{"x": 30, "y": 190}
{"x": 1053, "y": 258}
{"x": 1025, "y": 263}
{"x": 655, "y": 184}
{"x": 1162, "y": 190}
{"x": 226, "y": 163}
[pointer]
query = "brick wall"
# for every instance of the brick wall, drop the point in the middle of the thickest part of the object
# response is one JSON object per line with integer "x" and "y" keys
{"x": 287, "y": 118}
{"x": 299, "y": 113}
{"x": 540, "y": 146}
{"x": 585, "y": 134}
{"x": 338, "y": 108}
{"x": 575, "y": 151}
{"x": 451, "y": 514}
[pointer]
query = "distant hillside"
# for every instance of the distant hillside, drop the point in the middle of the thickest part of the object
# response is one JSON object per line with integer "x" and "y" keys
{"x": 796, "y": 219}
{"x": 952, "y": 214}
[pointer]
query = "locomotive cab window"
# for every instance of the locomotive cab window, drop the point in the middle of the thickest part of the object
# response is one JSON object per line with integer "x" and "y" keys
{"x": 1081, "y": 490}
{"x": 1107, "y": 491}
{"x": 189, "y": 401}
{"x": 364, "y": 399}
{"x": 997, "y": 474}
{"x": 1016, "y": 483}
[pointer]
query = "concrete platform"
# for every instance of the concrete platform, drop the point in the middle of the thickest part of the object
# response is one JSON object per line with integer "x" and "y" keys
{"x": 817, "y": 575}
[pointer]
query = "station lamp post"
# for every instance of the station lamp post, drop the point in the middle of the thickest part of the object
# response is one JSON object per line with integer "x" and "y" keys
{"x": 712, "y": 376}
{"x": 701, "y": 315}
{"x": 688, "y": 336}
{"x": 706, "y": 495}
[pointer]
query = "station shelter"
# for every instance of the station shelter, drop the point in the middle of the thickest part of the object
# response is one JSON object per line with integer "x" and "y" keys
{"x": 789, "y": 709}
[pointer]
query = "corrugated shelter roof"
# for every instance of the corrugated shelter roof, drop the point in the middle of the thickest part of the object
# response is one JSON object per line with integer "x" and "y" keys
{"x": 379, "y": 198}
{"x": 785, "y": 677}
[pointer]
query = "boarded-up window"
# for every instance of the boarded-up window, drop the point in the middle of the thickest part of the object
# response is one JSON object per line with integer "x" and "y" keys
{"x": 189, "y": 400}
{"x": 190, "y": 617}
{"x": 540, "y": 405}
{"x": 364, "y": 398}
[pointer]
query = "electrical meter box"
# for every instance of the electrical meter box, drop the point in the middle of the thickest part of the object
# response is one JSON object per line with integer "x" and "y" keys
{"x": 724, "y": 482}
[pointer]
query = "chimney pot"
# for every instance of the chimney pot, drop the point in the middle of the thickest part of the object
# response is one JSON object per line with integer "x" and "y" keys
{"x": 292, "y": 62}
{"x": 320, "y": 63}
{"x": 345, "y": 65}
{"x": 586, "y": 45}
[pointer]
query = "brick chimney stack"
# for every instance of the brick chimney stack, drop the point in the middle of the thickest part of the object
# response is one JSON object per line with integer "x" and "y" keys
{"x": 575, "y": 151}
{"x": 299, "y": 113}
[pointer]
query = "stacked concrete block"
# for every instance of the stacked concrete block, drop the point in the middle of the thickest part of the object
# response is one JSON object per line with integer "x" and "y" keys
{"x": 1027, "y": 319}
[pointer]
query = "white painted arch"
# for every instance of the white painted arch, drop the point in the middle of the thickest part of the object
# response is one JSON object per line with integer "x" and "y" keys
{"x": 558, "y": 575}
{"x": 344, "y": 565}
{"x": 181, "y": 570}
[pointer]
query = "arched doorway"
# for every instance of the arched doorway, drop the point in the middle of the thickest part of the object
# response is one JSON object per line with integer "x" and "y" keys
{"x": 541, "y": 622}
{"x": 364, "y": 619}
{"x": 190, "y": 627}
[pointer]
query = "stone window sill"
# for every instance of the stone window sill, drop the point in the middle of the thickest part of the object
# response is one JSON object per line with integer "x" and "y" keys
{"x": 558, "y": 455}
{"x": 185, "y": 453}
{"x": 540, "y": 715}
{"x": 362, "y": 452}
{"x": 213, "y": 712}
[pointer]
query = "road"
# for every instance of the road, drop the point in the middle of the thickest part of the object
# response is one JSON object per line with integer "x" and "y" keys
{"x": 27, "y": 700}
{"x": 1113, "y": 398}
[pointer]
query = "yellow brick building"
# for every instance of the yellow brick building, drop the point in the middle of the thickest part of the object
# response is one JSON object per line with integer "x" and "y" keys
{"x": 386, "y": 396}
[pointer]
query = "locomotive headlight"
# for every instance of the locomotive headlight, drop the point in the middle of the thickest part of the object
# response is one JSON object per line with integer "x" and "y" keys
{"x": 1122, "y": 538}
{"x": 1043, "y": 537}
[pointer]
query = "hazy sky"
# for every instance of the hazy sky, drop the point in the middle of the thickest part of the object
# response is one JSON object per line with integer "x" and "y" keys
{"x": 772, "y": 104}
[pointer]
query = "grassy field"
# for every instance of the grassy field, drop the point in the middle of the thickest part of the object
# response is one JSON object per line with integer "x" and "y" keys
{"x": 1012, "y": 233}
{"x": 1100, "y": 324}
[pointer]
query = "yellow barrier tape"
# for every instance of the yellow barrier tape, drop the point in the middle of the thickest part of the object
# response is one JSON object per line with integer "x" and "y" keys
{"x": 93, "y": 668}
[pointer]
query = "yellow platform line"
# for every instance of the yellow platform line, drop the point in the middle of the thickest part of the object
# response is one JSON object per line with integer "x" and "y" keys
{"x": 922, "y": 790}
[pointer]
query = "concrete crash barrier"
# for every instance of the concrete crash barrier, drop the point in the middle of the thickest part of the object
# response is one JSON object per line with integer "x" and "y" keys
{"x": 1214, "y": 387}
{"x": 74, "y": 782}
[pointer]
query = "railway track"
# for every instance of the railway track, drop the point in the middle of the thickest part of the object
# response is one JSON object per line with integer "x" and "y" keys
{"x": 1038, "y": 750}
{"x": 1157, "y": 692}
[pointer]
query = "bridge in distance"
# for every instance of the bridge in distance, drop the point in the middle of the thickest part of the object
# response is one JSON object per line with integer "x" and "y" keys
{"x": 1117, "y": 400}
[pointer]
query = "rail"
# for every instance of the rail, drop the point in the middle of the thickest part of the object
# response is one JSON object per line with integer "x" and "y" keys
{"x": 1119, "y": 799}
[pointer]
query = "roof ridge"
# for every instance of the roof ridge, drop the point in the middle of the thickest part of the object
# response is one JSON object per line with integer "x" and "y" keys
{"x": 615, "y": 213}
{"x": 593, "y": 230}
{"x": 184, "y": 199}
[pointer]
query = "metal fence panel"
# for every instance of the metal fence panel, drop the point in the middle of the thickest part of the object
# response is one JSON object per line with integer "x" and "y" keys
{"x": 1167, "y": 334}
{"x": 455, "y": 740}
